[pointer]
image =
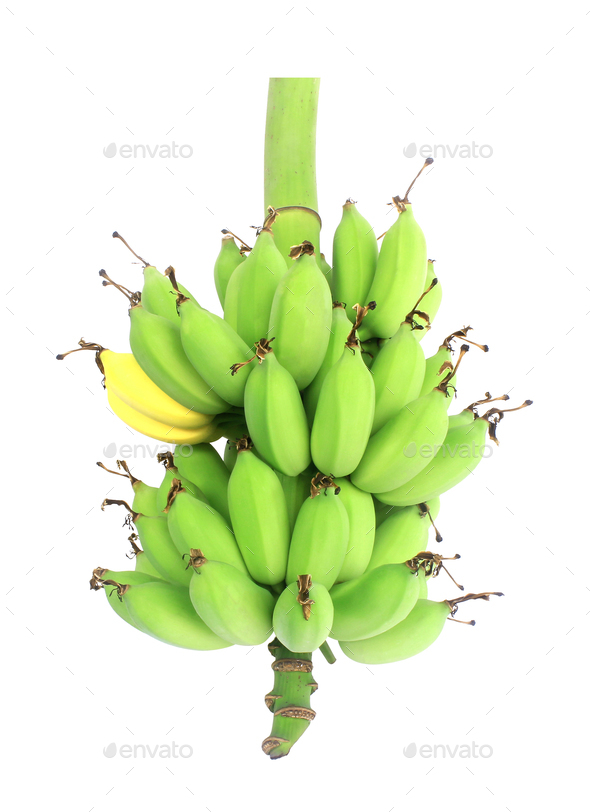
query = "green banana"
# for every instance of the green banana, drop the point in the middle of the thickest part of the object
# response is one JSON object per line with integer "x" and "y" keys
{"x": 191, "y": 522}
{"x": 172, "y": 473}
{"x": 144, "y": 496}
{"x": 457, "y": 455}
{"x": 275, "y": 415}
{"x": 229, "y": 602}
{"x": 301, "y": 316}
{"x": 143, "y": 564}
{"x": 201, "y": 465}
{"x": 354, "y": 258}
{"x": 230, "y": 455}
{"x": 320, "y": 537}
{"x": 339, "y": 332}
{"x": 403, "y": 534}
{"x": 259, "y": 516}
{"x": 360, "y": 508}
{"x": 431, "y": 300}
{"x": 100, "y": 579}
{"x": 438, "y": 364}
{"x": 396, "y": 453}
{"x": 325, "y": 267}
{"x": 296, "y": 491}
{"x": 156, "y": 292}
{"x": 344, "y": 414}
{"x": 227, "y": 261}
{"x": 298, "y": 626}
{"x": 411, "y": 636}
{"x": 212, "y": 346}
{"x": 400, "y": 273}
{"x": 374, "y": 602}
{"x": 251, "y": 289}
{"x": 165, "y": 611}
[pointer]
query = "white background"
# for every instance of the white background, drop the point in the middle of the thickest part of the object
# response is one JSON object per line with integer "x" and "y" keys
{"x": 508, "y": 233}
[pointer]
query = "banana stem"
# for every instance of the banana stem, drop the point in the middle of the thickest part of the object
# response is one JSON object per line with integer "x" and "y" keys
{"x": 290, "y": 162}
{"x": 289, "y": 700}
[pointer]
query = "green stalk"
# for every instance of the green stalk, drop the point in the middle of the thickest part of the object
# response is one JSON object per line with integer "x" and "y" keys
{"x": 289, "y": 162}
{"x": 289, "y": 701}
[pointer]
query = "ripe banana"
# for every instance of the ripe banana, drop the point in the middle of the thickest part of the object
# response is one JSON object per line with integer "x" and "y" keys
{"x": 212, "y": 346}
{"x": 457, "y": 455}
{"x": 227, "y": 261}
{"x": 275, "y": 415}
{"x": 303, "y": 615}
{"x": 202, "y": 466}
{"x": 344, "y": 414}
{"x": 191, "y": 522}
{"x": 411, "y": 636}
{"x": 354, "y": 258}
{"x": 320, "y": 536}
{"x": 251, "y": 289}
{"x": 401, "y": 271}
{"x": 229, "y": 602}
{"x": 301, "y": 316}
{"x": 339, "y": 332}
{"x": 374, "y": 602}
{"x": 259, "y": 516}
{"x": 361, "y": 517}
{"x": 403, "y": 534}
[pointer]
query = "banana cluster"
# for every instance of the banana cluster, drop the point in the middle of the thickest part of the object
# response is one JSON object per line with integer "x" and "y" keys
{"x": 315, "y": 524}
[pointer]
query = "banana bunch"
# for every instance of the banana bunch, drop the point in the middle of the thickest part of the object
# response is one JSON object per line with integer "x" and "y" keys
{"x": 315, "y": 523}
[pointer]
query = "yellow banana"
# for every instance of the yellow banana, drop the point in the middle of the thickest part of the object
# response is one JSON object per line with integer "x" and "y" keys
{"x": 303, "y": 615}
{"x": 191, "y": 522}
{"x": 301, "y": 316}
{"x": 259, "y": 516}
{"x": 354, "y": 258}
{"x": 229, "y": 602}
{"x": 374, "y": 602}
{"x": 411, "y": 636}
{"x": 275, "y": 415}
{"x": 320, "y": 536}
{"x": 361, "y": 517}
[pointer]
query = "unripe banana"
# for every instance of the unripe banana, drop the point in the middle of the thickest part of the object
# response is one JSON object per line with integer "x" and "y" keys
{"x": 344, "y": 414}
{"x": 303, "y": 615}
{"x": 361, "y": 517}
{"x": 144, "y": 496}
{"x": 191, "y": 522}
{"x": 230, "y": 455}
{"x": 374, "y": 602}
{"x": 296, "y": 491}
{"x": 339, "y": 332}
{"x": 227, "y": 261}
{"x": 320, "y": 536}
{"x": 144, "y": 566}
{"x": 101, "y": 575}
{"x": 411, "y": 636}
{"x": 170, "y": 474}
{"x": 395, "y": 453}
{"x": 165, "y": 611}
{"x": 276, "y": 419}
{"x": 251, "y": 289}
{"x": 301, "y": 316}
{"x": 457, "y": 455}
{"x": 212, "y": 346}
{"x": 202, "y": 466}
{"x": 229, "y": 602}
{"x": 325, "y": 267}
{"x": 160, "y": 549}
{"x": 398, "y": 373}
{"x": 437, "y": 366}
{"x": 431, "y": 302}
{"x": 259, "y": 516}
{"x": 157, "y": 347}
{"x": 403, "y": 534}
{"x": 400, "y": 274}
{"x": 354, "y": 258}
